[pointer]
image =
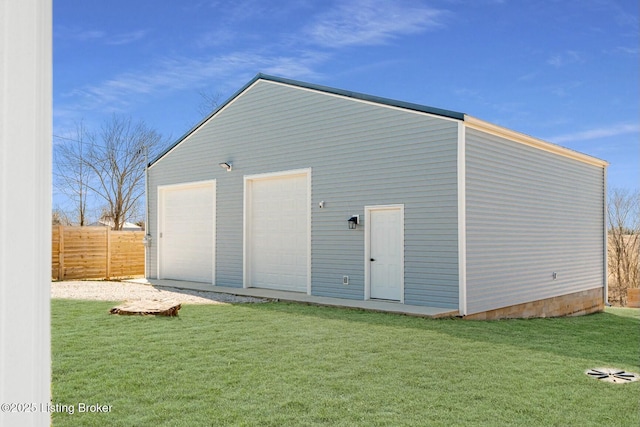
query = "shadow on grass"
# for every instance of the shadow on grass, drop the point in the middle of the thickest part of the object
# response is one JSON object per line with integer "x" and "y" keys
{"x": 613, "y": 339}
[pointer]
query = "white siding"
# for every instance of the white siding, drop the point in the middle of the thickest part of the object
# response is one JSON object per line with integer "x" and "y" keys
{"x": 529, "y": 213}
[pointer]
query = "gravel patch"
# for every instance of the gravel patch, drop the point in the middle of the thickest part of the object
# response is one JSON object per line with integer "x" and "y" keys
{"x": 125, "y": 291}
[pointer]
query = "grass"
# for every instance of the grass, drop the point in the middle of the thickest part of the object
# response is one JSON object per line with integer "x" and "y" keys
{"x": 279, "y": 364}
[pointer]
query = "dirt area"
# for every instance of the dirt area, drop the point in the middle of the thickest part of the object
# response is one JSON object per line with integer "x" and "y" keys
{"x": 125, "y": 291}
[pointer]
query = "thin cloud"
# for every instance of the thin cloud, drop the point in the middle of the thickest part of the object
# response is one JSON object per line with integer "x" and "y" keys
{"x": 596, "y": 133}
{"x": 294, "y": 67}
{"x": 371, "y": 22}
{"x": 528, "y": 77}
{"x": 565, "y": 89}
{"x": 172, "y": 74}
{"x": 73, "y": 33}
{"x": 215, "y": 38}
{"x": 93, "y": 35}
{"x": 565, "y": 58}
{"x": 631, "y": 51}
{"x": 125, "y": 38}
{"x": 357, "y": 22}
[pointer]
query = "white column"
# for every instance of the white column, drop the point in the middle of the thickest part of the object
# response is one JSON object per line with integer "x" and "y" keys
{"x": 25, "y": 210}
{"x": 462, "y": 219}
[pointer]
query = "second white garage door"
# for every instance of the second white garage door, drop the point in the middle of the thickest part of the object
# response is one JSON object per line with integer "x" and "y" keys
{"x": 277, "y": 231}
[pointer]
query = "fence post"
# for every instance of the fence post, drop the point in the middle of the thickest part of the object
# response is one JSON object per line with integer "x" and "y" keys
{"x": 61, "y": 252}
{"x": 108, "y": 253}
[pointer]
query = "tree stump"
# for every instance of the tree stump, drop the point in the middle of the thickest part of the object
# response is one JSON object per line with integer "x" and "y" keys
{"x": 148, "y": 307}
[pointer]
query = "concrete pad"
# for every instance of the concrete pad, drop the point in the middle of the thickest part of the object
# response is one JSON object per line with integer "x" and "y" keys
{"x": 373, "y": 305}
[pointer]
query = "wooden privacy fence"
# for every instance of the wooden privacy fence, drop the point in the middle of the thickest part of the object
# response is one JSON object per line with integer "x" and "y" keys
{"x": 95, "y": 253}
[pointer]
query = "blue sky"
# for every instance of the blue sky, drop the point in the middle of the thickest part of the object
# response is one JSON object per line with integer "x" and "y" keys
{"x": 565, "y": 71}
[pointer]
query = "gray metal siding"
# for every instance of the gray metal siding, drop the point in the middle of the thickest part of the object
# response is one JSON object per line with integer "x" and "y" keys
{"x": 530, "y": 213}
{"x": 360, "y": 154}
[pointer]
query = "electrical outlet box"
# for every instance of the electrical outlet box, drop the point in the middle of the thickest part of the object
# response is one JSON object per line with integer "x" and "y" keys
{"x": 345, "y": 280}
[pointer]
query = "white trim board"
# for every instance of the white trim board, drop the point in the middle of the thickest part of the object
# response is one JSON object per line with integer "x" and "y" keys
{"x": 481, "y": 125}
{"x": 605, "y": 236}
{"x": 462, "y": 220}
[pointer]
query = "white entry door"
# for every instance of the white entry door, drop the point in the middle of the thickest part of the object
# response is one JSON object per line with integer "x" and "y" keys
{"x": 186, "y": 232}
{"x": 386, "y": 252}
{"x": 277, "y": 231}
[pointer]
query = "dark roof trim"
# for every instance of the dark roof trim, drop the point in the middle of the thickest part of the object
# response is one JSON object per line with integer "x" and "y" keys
{"x": 365, "y": 97}
{"x": 320, "y": 88}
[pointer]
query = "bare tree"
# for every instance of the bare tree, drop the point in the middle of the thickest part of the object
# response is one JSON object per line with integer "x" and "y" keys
{"x": 59, "y": 217}
{"x": 106, "y": 169}
{"x": 116, "y": 157}
{"x": 208, "y": 103}
{"x": 624, "y": 228}
{"x": 70, "y": 172}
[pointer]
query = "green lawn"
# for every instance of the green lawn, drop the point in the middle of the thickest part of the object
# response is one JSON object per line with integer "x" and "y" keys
{"x": 278, "y": 364}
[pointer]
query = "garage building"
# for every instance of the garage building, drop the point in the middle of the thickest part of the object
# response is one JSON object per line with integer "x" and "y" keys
{"x": 302, "y": 188}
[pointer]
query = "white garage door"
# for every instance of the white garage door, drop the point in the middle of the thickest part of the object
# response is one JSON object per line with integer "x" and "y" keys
{"x": 278, "y": 232}
{"x": 186, "y": 233}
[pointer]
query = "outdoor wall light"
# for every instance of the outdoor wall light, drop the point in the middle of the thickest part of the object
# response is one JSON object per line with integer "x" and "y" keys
{"x": 353, "y": 222}
{"x": 227, "y": 166}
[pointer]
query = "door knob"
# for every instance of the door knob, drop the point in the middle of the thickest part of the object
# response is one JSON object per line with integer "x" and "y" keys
{"x": 372, "y": 259}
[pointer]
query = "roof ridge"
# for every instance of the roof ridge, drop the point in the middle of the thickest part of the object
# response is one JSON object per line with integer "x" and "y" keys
{"x": 363, "y": 96}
